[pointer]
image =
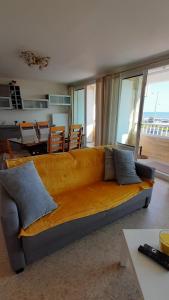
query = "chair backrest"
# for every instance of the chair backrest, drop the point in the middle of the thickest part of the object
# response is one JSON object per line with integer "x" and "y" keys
{"x": 75, "y": 136}
{"x": 42, "y": 124}
{"x": 43, "y": 128}
{"x": 27, "y": 130}
{"x": 5, "y": 148}
{"x": 56, "y": 141}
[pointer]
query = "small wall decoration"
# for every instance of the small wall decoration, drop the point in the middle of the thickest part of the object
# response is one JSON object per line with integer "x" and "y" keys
{"x": 13, "y": 82}
{"x": 32, "y": 59}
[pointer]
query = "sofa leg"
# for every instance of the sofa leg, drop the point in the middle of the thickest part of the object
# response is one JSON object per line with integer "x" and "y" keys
{"x": 19, "y": 270}
{"x": 147, "y": 202}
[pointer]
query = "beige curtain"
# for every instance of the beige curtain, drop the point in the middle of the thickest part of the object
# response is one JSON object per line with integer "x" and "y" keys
{"x": 136, "y": 88}
{"x": 107, "y": 95}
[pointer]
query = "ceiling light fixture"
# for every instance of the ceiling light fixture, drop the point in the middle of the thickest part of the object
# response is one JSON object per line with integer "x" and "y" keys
{"x": 32, "y": 59}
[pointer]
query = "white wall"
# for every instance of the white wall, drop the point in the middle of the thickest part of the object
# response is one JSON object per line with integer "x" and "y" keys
{"x": 33, "y": 90}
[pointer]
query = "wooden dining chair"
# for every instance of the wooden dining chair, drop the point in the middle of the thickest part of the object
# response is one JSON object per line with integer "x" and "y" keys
{"x": 75, "y": 136}
{"x": 9, "y": 152}
{"x": 5, "y": 149}
{"x": 5, "y": 152}
{"x": 56, "y": 140}
{"x": 43, "y": 128}
{"x": 27, "y": 129}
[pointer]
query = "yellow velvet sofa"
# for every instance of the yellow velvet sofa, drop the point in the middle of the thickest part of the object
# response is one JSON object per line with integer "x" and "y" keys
{"x": 85, "y": 202}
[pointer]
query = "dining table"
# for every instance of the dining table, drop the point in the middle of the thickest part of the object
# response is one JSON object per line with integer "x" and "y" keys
{"x": 33, "y": 144}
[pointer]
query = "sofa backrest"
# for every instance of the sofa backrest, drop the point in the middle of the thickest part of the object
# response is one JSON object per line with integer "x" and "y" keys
{"x": 67, "y": 171}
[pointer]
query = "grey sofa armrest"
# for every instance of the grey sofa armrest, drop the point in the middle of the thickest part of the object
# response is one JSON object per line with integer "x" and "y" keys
{"x": 11, "y": 226}
{"x": 144, "y": 171}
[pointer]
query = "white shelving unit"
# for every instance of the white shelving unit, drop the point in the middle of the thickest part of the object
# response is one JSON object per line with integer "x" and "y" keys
{"x": 5, "y": 103}
{"x": 59, "y": 99}
{"x": 36, "y": 104}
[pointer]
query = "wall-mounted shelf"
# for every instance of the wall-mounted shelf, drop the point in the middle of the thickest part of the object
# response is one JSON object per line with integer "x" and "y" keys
{"x": 5, "y": 97}
{"x": 59, "y": 99}
{"x": 36, "y": 104}
{"x": 5, "y": 103}
{"x": 10, "y": 97}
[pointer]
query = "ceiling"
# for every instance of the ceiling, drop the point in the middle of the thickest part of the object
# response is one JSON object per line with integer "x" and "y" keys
{"x": 82, "y": 37}
{"x": 160, "y": 74}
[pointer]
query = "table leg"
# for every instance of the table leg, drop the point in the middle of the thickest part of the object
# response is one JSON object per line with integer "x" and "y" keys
{"x": 124, "y": 256}
{"x": 37, "y": 149}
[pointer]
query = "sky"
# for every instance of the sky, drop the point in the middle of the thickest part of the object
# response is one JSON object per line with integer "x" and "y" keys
{"x": 157, "y": 97}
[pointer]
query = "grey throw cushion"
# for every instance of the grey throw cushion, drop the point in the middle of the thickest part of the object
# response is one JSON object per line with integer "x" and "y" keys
{"x": 25, "y": 186}
{"x": 125, "y": 167}
{"x": 109, "y": 172}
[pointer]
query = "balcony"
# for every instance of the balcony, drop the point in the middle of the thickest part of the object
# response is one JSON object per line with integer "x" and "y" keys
{"x": 154, "y": 140}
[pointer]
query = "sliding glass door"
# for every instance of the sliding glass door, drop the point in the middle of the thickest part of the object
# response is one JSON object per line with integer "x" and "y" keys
{"x": 130, "y": 109}
{"x": 79, "y": 107}
{"x": 83, "y": 112}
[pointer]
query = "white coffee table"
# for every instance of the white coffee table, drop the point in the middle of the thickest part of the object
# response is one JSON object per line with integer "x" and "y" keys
{"x": 153, "y": 279}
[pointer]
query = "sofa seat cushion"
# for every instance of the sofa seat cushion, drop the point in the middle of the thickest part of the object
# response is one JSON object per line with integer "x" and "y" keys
{"x": 85, "y": 201}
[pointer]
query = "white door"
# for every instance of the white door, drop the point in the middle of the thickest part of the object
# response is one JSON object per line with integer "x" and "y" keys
{"x": 132, "y": 88}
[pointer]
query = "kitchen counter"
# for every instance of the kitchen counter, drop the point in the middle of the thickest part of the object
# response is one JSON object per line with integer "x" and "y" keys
{"x": 8, "y": 126}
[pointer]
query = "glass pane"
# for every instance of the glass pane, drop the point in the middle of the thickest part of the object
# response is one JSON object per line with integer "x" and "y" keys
{"x": 154, "y": 137}
{"x": 35, "y": 104}
{"x": 79, "y": 107}
{"x": 4, "y": 102}
{"x": 128, "y": 112}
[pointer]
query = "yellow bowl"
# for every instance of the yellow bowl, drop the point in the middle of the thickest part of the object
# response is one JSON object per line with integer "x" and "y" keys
{"x": 164, "y": 241}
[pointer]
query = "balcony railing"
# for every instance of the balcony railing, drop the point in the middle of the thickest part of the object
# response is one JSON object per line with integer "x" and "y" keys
{"x": 154, "y": 141}
{"x": 154, "y": 129}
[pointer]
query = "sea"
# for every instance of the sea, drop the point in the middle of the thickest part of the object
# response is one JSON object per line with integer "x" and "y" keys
{"x": 157, "y": 115}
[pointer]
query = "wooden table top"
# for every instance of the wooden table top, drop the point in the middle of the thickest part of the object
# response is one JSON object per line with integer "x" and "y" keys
{"x": 152, "y": 278}
{"x": 29, "y": 141}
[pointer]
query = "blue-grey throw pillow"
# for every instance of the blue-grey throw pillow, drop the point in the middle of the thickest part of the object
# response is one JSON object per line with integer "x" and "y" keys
{"x": 109, "y": 170}
{"x": 25, "y": 186}
{"x": 125, "y": 170}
